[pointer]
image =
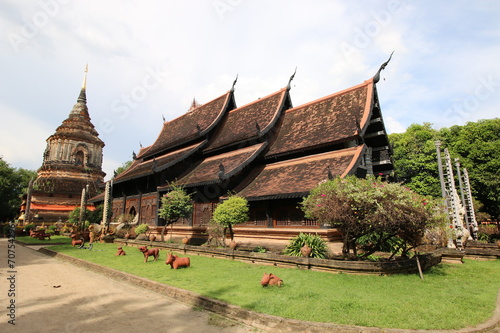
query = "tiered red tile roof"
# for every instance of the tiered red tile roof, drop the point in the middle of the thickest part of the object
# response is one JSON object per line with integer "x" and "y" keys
{"x": 191, "y": 125}
{"x": 269, "y": 151}
{"x": 326, "y": 121}
{"x": 294, "y": 178}
{"x": 250, "y": 121}
{"x": 220, "y": 167}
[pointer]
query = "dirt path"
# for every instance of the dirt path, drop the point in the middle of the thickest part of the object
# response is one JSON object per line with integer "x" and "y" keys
{"x": 55, "y": 296}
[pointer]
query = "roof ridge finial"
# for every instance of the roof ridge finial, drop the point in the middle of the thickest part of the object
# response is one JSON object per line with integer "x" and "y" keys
{"x": 194, "y": 105}
{"x": 82, "y": 98}
{"x": 291, "y": 78}
{"x": 234, "y": 83}
{"x": 376, "y": 78}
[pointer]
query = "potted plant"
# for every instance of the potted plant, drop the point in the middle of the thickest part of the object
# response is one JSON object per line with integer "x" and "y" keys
{"x": 306, "y": 245}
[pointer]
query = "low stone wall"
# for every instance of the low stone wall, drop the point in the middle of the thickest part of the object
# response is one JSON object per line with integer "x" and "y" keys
{"x": 482, "y": 250}
{"x": 277, "y": 260}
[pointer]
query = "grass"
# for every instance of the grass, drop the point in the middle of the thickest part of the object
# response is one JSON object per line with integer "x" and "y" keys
{"x": 54, "y": 239}
{"x": 450, "y": 296}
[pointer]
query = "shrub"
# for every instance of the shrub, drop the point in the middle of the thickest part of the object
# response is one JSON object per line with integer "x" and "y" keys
{"x": 317, "y": 245}
{"x": 360, "y": 207}
{"x": 259, "y": 249}
{"x": 174, "y": 205}
{"x": 232, "y": 211}
{"x": 141, "y": 229}
{"x": 29, "y": 227}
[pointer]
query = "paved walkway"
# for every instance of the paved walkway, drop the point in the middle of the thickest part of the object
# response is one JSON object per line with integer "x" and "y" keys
{"x": 55, "y": 296}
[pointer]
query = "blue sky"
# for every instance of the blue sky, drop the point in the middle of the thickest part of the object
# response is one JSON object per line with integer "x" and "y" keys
{"x": 149, "y": 59}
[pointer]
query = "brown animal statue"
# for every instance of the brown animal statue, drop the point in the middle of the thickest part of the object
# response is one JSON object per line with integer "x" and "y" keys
{"x": 271, "y": 280}
{"x": 120, "y": 252}
{"x": 75, "y": 241}
{"x": 176, "y": 261}
{"x": 155, "y": 253}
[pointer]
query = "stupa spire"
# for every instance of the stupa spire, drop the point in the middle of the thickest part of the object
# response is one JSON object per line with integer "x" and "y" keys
{"x": 82, "y": 98}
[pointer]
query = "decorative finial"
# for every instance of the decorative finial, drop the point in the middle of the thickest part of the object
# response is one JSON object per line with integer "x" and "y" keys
{"x": 234, "y": 83}
{"x": 84, "y": 84}
{"x": 376, "y": 78}
{"x": 82, "y": 98}
{"x": 222, "y": 170}
{"x": 134, "y": 156}
{"x": 257, "y": 127}
{"x": 163, "y": 117}
{"x": 194, "y": 105}
{"x": 291, "y": 78}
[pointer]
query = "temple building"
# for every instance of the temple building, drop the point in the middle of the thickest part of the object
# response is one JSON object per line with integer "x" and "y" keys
{"x": 268, "y": 151}
{"x": 72, "y": 161}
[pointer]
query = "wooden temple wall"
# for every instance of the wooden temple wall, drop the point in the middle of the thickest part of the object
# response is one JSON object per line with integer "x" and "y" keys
{"x": 148, "y": 211}
{"x": 117, "y": 208}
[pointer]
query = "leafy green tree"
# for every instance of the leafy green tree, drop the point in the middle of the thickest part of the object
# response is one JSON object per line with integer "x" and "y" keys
{"x": 13, "y": 184}
{"x": 360, "y": 207}
{"x": 174, "y": 205}
{"x": 123, "y": 167}
{"x": 415, "y": 159}
{"x": 90, "y": 216}
{"x": 232, "y": 211}
{"x": 477, "y": 144}
{"x": 95, "y": 216}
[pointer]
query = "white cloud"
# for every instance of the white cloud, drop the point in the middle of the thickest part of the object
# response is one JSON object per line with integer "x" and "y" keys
{"x": 22, "y": 142}
{"x": 439, "y": 60}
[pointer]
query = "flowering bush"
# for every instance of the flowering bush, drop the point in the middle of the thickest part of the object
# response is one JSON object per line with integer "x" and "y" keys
{"x": 361, "y": 207}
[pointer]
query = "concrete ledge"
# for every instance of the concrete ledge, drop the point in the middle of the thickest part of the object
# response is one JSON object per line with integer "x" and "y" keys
{"x": 258, "y": 320}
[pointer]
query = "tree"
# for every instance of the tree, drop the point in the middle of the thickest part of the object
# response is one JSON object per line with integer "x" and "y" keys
{"x": 175, "y": 204}
{"x": 232, "y": 211}
{"x": 361, "y": 207}
{"x": 13, "y": 184}
{"x": 123, "y": 167}
{"x": 415, "y": 159}
{"x": 476, "y": 144}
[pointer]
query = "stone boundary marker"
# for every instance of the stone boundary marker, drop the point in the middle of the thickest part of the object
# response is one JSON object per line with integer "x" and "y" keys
{"x": 254, "y": 319}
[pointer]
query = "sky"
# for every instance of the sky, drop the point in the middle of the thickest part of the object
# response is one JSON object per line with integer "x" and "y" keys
{"x": 147, "y": 60}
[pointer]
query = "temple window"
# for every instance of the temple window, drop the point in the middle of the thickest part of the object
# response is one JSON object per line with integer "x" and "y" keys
{"x": 79, "y": 158}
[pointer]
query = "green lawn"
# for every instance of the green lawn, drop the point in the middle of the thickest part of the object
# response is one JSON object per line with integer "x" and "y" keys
{"x": 55, "y": 239}
{"x": 450, "y": 296}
